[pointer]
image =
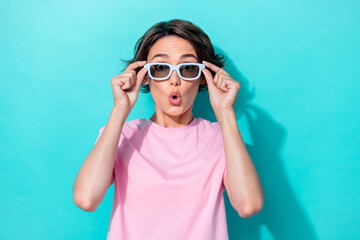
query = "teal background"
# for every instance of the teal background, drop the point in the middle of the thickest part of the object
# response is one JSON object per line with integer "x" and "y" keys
{"x": 298, "y": 108}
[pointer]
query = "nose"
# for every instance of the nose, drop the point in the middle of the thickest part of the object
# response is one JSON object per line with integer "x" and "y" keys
{"x": 175, "y": 78}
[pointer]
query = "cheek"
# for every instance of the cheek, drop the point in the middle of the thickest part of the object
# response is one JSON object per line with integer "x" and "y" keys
{"x": 194, "y": 90}
{"x": 158, "y": 91}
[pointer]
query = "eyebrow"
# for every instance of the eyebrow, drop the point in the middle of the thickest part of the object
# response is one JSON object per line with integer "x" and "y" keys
{"x": 183, "y": 56}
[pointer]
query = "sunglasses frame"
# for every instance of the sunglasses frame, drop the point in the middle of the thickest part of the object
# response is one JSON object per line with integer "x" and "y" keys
{"x": 172, "y": 68}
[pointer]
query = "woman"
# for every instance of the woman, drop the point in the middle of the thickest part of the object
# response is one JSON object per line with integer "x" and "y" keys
{"x": 170, "y": 170}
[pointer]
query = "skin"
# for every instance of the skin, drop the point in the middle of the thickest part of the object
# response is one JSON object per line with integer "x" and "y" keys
{"x": 166, "y": 114}
{"x": 242, "y": 182}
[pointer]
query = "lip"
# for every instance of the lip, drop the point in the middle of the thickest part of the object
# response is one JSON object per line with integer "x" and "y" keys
{"x": 174, "y": 93}
{"x": 176, "y": 102}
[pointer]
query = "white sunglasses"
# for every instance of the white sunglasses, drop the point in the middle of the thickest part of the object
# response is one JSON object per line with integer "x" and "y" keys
{"x": 162, "y": 71}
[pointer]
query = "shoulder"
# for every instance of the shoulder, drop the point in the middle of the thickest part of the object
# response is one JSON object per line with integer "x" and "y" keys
{"x": 208, "y": 123}
{"x": 129, "y": 126}
{"x": 208, "y": 127}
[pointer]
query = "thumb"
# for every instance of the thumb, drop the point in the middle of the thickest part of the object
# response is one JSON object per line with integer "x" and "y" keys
{"x": 140, "y": 77}
{"x": 208, "y": 78}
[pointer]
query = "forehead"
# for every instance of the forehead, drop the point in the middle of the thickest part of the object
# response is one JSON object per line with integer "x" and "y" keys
{"x": 172, "y": 46}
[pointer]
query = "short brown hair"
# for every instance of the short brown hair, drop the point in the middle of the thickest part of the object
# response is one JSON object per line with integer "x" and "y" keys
{"x": 184, "y": 29}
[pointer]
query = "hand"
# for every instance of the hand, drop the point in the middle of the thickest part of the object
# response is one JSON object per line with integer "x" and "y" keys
{"x": 223, "y": 90}
{"x": 126, "y": 86}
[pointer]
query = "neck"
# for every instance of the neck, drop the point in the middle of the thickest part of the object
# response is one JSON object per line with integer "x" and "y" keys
{"x": 155, "y": 119}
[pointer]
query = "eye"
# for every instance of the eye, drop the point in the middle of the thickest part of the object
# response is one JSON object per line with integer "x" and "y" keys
{"x": 190, "y": 67}
{"x": 160, "y": 67}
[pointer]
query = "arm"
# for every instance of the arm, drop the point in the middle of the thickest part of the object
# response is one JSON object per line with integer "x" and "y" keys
{"x": 241, "y": 181}
{"x": 96, "y": 173}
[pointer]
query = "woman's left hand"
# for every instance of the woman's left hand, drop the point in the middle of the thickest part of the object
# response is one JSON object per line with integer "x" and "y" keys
{"x": 223, "y": 90}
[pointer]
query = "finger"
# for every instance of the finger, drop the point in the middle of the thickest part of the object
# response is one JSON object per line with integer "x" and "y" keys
{"x": 208, "y": 78}
{"x": 211, "y": 66}
{"x": 118, "y": 84}
{"x": 140, "y": 77}
{"x": 135, "y": 65}
{"x": 124, "y": 83}
{"x": 130, "y": 80}
{"x": 222, "y": 81}
{"x": 217, "y": 81}
{"x": 230, "y": 83}
{"x": 223, "y": 85}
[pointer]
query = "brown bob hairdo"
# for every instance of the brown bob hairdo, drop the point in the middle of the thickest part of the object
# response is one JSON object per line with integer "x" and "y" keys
{"x": 184, "y": 29}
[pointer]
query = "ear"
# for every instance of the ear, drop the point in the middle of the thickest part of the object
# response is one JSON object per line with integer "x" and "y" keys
{"x": 202, "y": 80}
{"x": 145, "y": 80}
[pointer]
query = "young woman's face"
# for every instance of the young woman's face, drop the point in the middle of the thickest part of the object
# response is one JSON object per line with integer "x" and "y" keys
{"x": 172, "y": 49}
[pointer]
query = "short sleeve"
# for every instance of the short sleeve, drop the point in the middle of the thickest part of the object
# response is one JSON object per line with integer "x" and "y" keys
{"x": 224, "y": 173}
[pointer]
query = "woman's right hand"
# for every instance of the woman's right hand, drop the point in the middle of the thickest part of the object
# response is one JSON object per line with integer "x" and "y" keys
{"x": 126, "y": 86}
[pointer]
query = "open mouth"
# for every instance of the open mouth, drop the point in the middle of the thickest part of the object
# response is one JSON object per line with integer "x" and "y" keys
{"x": 174, "y": 95}
{"x": 175, "y": 99}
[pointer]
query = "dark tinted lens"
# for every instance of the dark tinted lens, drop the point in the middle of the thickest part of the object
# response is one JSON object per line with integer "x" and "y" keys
{"x": 159, "y": 70}
{"x": 189, "y": 70}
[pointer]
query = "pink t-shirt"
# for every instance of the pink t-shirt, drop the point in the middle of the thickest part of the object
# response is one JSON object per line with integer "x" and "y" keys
{"x": 169, "y": 182}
